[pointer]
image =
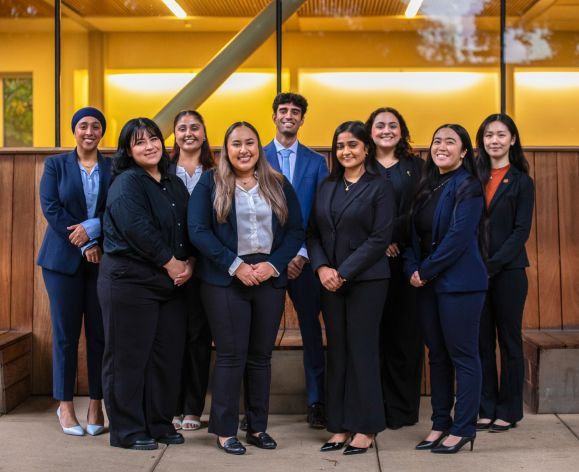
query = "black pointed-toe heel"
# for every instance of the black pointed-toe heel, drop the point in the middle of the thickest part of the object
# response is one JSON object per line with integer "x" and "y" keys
{"x": 351, "y": 450}
{"x": 425, "y": 445}
{"x": 483, "y": 426}
{"x": 441, "y": 449}
{"x": 332, "y": 446}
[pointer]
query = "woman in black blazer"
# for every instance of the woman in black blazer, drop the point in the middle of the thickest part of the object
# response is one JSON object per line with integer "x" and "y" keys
{"x": 145, "y": 264}
{"x": 445, "y": 264}
{"x": 509, "y": 201}
{"x": 245, "y": 220}
{"x": 401, "y": 348}
{"x": 348, "y": 234}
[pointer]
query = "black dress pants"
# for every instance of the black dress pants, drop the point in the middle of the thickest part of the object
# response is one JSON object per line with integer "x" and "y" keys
{"x": 144, "y": 321}
{"x": 244, "y": 322}
{"x": 352, "y": 317}
{"x": 401, "y": 350}
{"x": 195, "y": 372}
{"x": 503, "y": 317}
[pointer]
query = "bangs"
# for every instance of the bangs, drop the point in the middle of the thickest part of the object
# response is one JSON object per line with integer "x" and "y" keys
{"x": 144, "y": 130}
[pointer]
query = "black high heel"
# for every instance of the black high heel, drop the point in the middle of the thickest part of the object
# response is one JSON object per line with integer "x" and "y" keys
{"x": 457, "y": 447}
{"x": 332, "y": 446}
{"x": 351, "y": 450}
{"x": 424, "y": 445}
{"x": 497, "y": 428}
{"x": 483, "y": 426}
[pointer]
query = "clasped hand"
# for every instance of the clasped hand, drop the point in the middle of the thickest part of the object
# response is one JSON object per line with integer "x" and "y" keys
{"x": 179, "y": 271}
{"x": 254, "y": 274}
{"x": 78, "y": 235}
{"x": 416, "y": 281}
{"x": 330, "y": 278}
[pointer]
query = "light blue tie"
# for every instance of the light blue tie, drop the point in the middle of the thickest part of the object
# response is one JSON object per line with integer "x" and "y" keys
{"x": 285, "y": 163}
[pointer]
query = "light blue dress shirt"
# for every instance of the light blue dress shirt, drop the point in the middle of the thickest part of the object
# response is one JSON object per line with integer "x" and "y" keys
{"x": 90, "y": 186}
{"x": 189, "y": 180}
{"x": 254, "y": 225}
{"x": 292, "y": 159}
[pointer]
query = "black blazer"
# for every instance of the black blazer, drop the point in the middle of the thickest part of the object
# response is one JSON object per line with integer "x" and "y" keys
{"x": 508, "y": 225}
{"x": 355, "y": 244}
{"x": 411, "y": 170}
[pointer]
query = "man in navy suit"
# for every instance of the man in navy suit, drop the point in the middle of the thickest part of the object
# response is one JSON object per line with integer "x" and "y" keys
{"x": 305, "y": 169}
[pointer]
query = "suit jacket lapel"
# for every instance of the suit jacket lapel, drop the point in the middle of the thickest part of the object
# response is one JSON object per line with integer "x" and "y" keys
{"x": 104, "y": 179}
{"x": 507, "y": 181}
{"x": 76, "y": 180}
{"x": 271, "y": 154}
{"x": 300, "y": 167}
{"x": 354, "y": 192}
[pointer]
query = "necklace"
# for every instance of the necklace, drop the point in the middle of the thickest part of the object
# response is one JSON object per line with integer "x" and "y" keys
{"x": 440, "y": 185}
{"x": 348, "y": 185}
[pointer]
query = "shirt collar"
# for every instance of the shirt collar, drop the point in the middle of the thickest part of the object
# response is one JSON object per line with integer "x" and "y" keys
{"x": 293, "y": 148}
{"x": 82, "y": 169}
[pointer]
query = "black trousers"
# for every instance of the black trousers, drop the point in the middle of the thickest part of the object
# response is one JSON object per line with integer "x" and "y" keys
{"x": 244, "y": 322}
{"x": 401, "y": 350}
{"x": 353, "y": 393}
{"x": 195, "y": 372}
{"x": 144, "y": 321}
{"x": 503, "y": 317}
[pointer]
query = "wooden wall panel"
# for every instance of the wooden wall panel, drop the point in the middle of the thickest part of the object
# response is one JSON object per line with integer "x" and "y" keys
{"x": 41, "y": 326}
{"x": 531, "y": 315}
{"x": 568, "y": 172}
{"x": 6, "y": 179}
{"x": 24, "y": 211}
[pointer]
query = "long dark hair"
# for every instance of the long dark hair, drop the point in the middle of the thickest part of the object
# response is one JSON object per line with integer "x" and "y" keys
{"x": 360, "y": 132}
{"x": 431, "y": 174}
{"x": 133, "y": 130}
{"x": 516, "y": 155}
{"x": 206, "y": 158}
{"x": 403, "y": 148}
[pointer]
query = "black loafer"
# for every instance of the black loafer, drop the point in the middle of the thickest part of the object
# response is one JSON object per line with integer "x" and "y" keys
{"x": 171, "y": 438}
{"x": 332, "y": 446}
{"x": 497, "y": 428}
{"x": 262, "y": 440}
{"x": 144, "y": 444}
{"x": 243, "y": 423}
{"x": 316, "y": 416}
{"x": 232, "y": 446}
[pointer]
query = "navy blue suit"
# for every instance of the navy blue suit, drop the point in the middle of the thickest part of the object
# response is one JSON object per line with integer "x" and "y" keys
{"x": 71, "y": 280}
{"x": 310, "y": 170}
{"x": 244, "y": 320}
{"x": 450, "y": 304}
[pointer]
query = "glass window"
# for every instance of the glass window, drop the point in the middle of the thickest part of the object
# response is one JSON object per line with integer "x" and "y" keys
{"x": 17, "y": 111}
{"x": 542, "y": 55}
{"x": 441, "y": 65}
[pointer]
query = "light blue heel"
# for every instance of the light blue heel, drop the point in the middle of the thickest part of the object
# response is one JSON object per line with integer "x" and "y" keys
{"x": 73, "y": 430}
{"x": 95, "y": 429}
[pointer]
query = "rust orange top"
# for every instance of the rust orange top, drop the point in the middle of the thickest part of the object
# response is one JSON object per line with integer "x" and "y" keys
{"x": 497, "y": 176}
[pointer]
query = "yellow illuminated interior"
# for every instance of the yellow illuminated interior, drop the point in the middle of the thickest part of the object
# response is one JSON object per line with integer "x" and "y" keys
{"x": 244, "y": 96}
{"x": 546, "y": 104}
{"x": 425, "y": 99}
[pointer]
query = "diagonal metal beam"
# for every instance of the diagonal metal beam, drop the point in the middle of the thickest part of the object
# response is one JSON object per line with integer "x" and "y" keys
{"x": 540, "y": 7}
{"x": 224, "y": 63}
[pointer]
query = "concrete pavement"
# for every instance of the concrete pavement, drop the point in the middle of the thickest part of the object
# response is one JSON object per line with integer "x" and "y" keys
{"x": 31, "y": 440}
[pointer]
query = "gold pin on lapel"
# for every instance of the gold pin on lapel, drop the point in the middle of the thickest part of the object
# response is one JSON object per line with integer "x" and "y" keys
{"x": 408, "y": 172}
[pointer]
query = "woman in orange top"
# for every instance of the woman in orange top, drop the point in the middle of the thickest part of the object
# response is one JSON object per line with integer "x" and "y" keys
{"x": 509, "y": 195}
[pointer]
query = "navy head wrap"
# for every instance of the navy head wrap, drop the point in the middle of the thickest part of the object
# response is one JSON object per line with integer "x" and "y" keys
{"x": 89, "y": 111}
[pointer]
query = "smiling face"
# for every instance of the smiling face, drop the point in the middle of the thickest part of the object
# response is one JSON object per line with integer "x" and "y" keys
{"x": 288, "y": 118}
{"x": 88, "y": 132}
{"x": 189, "y": 134}
{"x": 447, "y": 150}
{"x": 386, "y": 131}
{"x": 498, "y": 141}
{"x": 243, "y": 150}
{"x": 146, "y": 150}
{"x": 350, "y": 152}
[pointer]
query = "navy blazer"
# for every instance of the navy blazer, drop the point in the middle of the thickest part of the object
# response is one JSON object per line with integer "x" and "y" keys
{"x": 310, "y": 169}
{"x": 217, "y": 242}
{"x": 455, "y": 263}
{"x": 355, "y": 243}
{"x": 509, "y": 219}
{"x": 63, "y": 203}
